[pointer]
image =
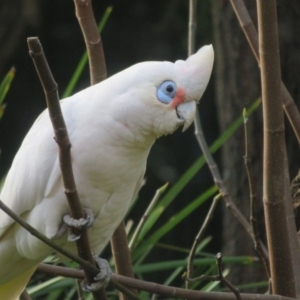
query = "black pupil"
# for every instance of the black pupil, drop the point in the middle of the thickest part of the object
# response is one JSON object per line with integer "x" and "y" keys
{"x": 170, "y": 88}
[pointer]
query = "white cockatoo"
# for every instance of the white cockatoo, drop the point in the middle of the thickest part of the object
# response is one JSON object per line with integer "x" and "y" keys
{"x": 112, "y": 126}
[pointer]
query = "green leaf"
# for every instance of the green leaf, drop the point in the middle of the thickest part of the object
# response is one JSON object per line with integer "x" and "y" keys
{"x": 165, "y": 265}
{"x": 4, "y": 87}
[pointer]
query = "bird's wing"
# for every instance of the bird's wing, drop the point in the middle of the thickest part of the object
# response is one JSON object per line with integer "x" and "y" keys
{"x": 34, "y": 170}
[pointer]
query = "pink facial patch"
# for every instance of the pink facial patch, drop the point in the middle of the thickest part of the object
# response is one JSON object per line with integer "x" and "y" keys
{"x": 179, "y": 97}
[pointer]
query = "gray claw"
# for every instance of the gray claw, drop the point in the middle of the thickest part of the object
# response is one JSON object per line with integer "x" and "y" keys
{"x": 82, "y": 223}
{"x": 101, "y": 279}
{"x": 72, "y": 237}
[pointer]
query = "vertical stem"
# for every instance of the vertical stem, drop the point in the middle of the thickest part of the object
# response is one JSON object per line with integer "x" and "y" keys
{"x": 283, "y": 281}
{"x": 121, "y": 254}
{"x": 192, "y": 26}
{"x": 92, "y": 38}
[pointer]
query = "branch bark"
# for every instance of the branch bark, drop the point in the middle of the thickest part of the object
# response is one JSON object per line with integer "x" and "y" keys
{"x": 253, "y": 201}
{"x": 64, "y": 145}
{"x": 156, "y": 288}
{"x": 92, "y": 39}
{"x": 280, "y": 252}
{"x": 121, "y": 254}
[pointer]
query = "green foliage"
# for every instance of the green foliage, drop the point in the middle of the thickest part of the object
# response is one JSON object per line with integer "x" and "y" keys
{"x": 4, "y": 87}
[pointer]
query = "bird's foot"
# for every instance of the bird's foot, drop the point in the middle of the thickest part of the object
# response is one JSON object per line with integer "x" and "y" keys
{"x": 70, "y": 223}
{"x": 101, "y": 279}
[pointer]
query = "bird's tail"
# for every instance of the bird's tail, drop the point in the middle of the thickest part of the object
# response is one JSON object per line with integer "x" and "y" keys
{"x": 12, "y": 290}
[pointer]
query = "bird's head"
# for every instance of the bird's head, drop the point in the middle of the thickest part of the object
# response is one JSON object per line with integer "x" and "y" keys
{"x": 162, "y": 95}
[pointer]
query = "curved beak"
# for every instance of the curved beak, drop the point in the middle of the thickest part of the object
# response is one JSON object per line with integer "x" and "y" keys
{"x": 186, "y": 113}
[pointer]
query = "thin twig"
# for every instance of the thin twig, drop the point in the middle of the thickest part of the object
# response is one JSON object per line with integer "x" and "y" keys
{"x": 199, "y": 236}
{"x": 218, "y": 277}
{"x": 224, "y": 280}
{"x": 277, "y": 229}
{"x": 143, "y": 219}
{"x": 92, "y": 38}
{"x": 192, "y": 26}
{"x": 121, "y": 255}
{"x": 155, "y": 288}
{"x": 64, "y": 145}
{"x": 253, "y": 200}
{"x": 250, "y": 32}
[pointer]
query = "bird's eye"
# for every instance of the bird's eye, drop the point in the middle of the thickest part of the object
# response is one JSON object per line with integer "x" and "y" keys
{"x": 166, "y": 91}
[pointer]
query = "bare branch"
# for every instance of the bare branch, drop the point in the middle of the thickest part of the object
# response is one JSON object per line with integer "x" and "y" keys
{"x": 224, "y": 280}
{"x": 121, "y": 254}
{"x": 199, "y": 236}
{"x": 192, "y": 26}
{"x": 253, "y": 201}
{"x": 220, "y": 277}
{"x": 281, "y": 263}
{"x": 92, "y": 38}
{"x": 64, "y": 145}
{"x": 250, "y": 32}
{"x": 155, "y": 288}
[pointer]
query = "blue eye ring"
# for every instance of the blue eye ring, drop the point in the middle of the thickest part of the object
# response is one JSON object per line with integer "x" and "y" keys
{"x": 166, "y": 91}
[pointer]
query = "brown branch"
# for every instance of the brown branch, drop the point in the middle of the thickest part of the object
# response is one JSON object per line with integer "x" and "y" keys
{"x": 92, "y": 38}
{"x": 250, "y": 32}
{"x": 218, "y": 277}
{"x": 224, "y": 280}
{"x": 281, "y": 263}
{"x": 192, "y": 26}
{"x": 253, "y": 200}
{"x": 199, "y": 236}
{"x": 64, "y": 145}
{"x": 220, "y": 184}
{"x": 155, "y": 288}
{"x": 121, "y": 254}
